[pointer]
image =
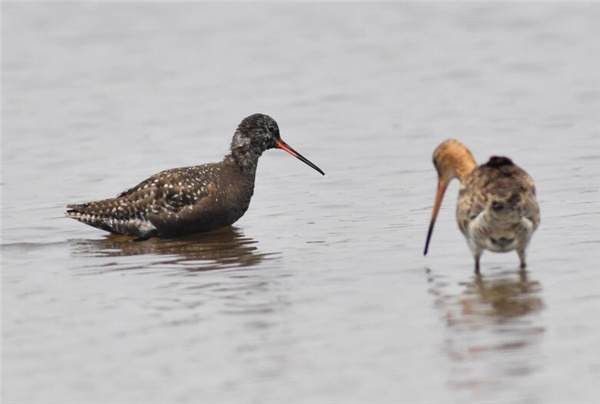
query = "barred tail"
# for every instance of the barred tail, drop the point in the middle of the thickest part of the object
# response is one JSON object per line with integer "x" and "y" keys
{"x": 112, "y": 215}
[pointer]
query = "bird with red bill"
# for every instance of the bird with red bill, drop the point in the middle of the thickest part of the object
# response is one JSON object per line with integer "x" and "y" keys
{"x": 195, "y": 199}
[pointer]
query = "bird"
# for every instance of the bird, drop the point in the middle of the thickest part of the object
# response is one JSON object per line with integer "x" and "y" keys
{"x": 189, "y": 200}
{"x": 497, "y": 209}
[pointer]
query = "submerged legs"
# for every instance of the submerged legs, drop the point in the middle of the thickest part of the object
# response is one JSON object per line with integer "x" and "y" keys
{"x": 522, "y": 258}
{"x": 476, "y": 251}
{"x": 477, "y": 257}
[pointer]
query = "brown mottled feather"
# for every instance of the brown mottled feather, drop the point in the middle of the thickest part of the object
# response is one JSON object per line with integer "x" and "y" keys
{"x": 497, "y": 208}
{"x": 506, "y": 184}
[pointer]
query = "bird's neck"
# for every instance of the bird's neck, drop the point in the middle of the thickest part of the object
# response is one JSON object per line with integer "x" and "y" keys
{"x": 244, "y": 159}
{"x": 464, "y": 167}
{"x": 243, "y": 153}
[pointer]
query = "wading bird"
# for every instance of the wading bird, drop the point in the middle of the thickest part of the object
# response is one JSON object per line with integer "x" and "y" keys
{"x": 497, "y": 208}
{"x": 194, "y": 199}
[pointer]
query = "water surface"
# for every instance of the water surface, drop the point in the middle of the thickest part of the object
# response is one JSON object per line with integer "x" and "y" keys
{"x": 320, "y": 293}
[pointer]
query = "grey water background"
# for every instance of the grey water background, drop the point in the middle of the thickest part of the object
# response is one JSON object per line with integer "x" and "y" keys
{"x": 320, "y": 293}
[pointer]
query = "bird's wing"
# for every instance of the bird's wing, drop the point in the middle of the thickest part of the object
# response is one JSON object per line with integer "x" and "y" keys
{"x": 528, "y": 201}
{"x": 170, "y": 191}
{"x": 171, "y": 199}
{"x": 507, "y": 184}
{"x": 174, "y": 200}
{"x": 472, "y": 200}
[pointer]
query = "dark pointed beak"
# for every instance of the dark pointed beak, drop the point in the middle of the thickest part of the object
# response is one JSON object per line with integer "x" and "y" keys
{"x": 284, "y": 146}
{"x": 441, "y": 189}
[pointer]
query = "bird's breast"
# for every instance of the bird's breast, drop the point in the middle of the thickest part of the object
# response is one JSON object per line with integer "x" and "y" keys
{"x": 497, "y": 233}
{"x": 234, "y": 195}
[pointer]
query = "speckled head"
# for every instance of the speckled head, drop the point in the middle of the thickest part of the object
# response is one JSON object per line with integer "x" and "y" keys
{"x": 255, "y": 134}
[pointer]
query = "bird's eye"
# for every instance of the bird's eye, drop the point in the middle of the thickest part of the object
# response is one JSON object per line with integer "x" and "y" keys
{"x": 270, "y": 129}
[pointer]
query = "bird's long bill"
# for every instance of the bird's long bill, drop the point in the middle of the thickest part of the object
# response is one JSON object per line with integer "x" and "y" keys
{"x": 441, "y": 189}
{"x": 284, "y": 146}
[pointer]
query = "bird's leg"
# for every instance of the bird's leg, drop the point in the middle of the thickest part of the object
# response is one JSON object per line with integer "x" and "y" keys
{"x": 476, "y": 251}
{"x": 522, "y": 258}
{"x": 477, "y": 257}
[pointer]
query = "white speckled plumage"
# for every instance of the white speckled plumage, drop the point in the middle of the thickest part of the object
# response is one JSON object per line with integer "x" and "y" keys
{"x": 193, "y": 199}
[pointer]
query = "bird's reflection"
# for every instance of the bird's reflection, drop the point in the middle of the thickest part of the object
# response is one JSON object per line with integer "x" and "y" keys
{"x": 491, "y": 316}
{"x": 498, "y": 298}
{"x": 220, "y": 249}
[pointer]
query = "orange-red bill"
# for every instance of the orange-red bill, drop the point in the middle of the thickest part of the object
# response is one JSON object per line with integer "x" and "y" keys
{"x": 441, "y": 189}
{"x": 284, "y": 146}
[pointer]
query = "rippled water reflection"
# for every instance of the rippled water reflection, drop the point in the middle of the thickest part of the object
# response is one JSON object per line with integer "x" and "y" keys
{"x": 494, "y": 331}
{"x": 320, "y": 293}
{"x": 226, "y": 248}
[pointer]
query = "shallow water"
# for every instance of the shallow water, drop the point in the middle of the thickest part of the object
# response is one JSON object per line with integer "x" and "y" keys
{"x": 320, "y": 293}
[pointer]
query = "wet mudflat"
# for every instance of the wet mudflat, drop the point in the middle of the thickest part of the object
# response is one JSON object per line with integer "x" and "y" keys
{"x": 320, "y": 293}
